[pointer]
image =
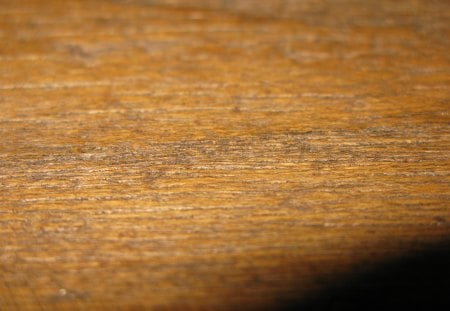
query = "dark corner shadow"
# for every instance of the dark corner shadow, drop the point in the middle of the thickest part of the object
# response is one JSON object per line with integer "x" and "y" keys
{"x": 417, "y": 281}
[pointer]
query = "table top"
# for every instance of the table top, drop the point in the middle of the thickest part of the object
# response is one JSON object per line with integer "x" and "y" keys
{"x": 177, "y": 155}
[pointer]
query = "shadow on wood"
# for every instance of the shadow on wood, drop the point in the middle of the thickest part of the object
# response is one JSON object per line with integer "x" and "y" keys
{"x": 416, "y": 281}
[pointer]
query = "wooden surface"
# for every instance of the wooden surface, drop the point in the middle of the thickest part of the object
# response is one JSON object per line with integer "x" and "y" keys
{"x": 215, "y": 154}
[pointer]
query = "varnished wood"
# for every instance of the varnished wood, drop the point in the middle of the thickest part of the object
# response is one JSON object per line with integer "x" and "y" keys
{"x": 213, "y": 154}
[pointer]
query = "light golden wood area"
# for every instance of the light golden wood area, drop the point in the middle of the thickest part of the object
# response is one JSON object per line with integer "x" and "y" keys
{"x": 179, "y": 155}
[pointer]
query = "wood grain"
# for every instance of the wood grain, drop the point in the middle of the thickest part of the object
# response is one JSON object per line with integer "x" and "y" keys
{"x": 215, "y": 154}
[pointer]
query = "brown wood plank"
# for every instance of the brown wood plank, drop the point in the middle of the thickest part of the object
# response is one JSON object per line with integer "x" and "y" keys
{"x": 215, "y": 154}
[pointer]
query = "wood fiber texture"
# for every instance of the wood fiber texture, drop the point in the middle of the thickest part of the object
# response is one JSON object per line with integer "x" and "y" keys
{"x": 176, "y": 155}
